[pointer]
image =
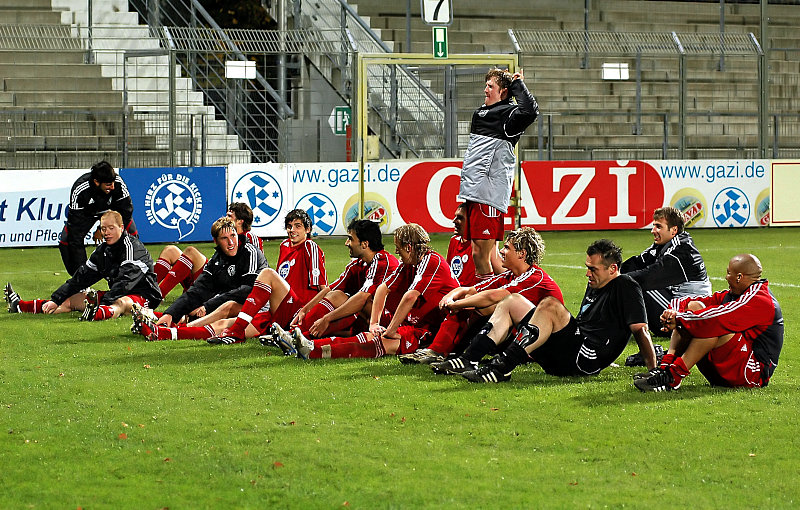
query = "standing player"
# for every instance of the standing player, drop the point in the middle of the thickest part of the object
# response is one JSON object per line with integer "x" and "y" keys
{"x": 175, "y": 266}
{"x": 407, "y": 303}
{"x": 612, "y": 309}
{"x": 487, "y": 175}
{"x": 300, "y": 260}
{"x": 121, "y": 259}
{"x": 92, "y": 194}
{"x": 671, "y": 268}
{"x": 470, "y": 307}
{"x": 337, "y": 307}
{"x": 734, "y": 336}
{"x": 228, "y": 277}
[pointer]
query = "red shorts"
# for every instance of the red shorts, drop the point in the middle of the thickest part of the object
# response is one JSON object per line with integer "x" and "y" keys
{"x": 282, "y": 316}
{"x": 410, "y": 338}
{"x": 483, "y": 222}
{"x": 139, "y": 300}
{"x": 732, "y": 364}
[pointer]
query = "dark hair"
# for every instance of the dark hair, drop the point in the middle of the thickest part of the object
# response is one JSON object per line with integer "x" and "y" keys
{"x": 608, "y": 251}
{"x": 103, "y": 172}
{"x": 671, "y": 215}
{"x": 244, "y": 213}
{"x": 298, "y": 214}
{"x": 369, "y": 231}
{"x": 502, "y": 77}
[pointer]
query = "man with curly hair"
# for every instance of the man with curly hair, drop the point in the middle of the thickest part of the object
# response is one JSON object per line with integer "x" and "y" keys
{"x": 470, "y": 307}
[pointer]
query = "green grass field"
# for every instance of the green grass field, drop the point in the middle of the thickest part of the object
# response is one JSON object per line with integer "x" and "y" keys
{"x": 94, "y": 417}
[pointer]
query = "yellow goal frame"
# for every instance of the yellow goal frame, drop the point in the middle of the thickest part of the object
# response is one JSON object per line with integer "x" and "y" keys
{"x": 510, "y": 61}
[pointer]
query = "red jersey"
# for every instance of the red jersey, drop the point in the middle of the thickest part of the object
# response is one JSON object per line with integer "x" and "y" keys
{"x": 459, "y": 255}
{"x": 253, "y": 239}
{"x": 432, "y": 278}
{"x": 303, "y": 268}
{"x": 755, "y": 314}
{"x": 534, "y": 285}
{"x": 360, "y": 276}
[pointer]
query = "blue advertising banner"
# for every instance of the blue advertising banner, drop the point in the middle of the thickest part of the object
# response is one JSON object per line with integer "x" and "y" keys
{"x": 176, "y": 204}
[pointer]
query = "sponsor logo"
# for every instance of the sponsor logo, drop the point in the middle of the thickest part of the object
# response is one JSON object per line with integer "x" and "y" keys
{"x": 731, "y": 208}
{"x": 692, "y": 204}
{"x": 376, "y": 208}
{"x": 456, "y": 266}
{"x": 284, "y": 268}
{"x": 262, "y": 193}
{"x": 762, "y": 208}
{"x": 174, "y": 202}
{"x": 321, "y": 209}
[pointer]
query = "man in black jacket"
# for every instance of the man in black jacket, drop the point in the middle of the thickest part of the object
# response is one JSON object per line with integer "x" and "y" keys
{"x": 227, "y": 277}
{"x": 671, "y": 268}
{"x": 121, "y": 259}
{"x": 94, "y": 193}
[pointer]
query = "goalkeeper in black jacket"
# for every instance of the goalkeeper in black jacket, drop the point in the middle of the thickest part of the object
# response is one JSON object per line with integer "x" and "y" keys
{"x": 671, "y": 268}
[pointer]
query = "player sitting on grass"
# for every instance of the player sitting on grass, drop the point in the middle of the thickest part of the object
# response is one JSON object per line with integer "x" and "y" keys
{"x": 459, "y": 251}
{"x": 300, "y": 260}
{"x": 405, "y": 309}
{"x": 734, "y": 336}
{"x": 227, "y": 278}
{"x": 612, "y": 309}
{"x": 470, "y": 307}
{"x": 336, "y": 307}
{"x": 121, "y": 259}
{"x": 175, "y": 266}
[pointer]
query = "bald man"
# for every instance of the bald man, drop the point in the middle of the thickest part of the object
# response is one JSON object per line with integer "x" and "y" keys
{"x": 733, "y": 336}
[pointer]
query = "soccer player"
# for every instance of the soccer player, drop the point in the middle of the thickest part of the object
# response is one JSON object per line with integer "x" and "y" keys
{"x": 228, "y": 277}
{"x": 470, "y": 307}
{"x": 612, "y": 309}
{"x": 459, "y": 251}
{"x": 337, "y": 306}
{"x": 671, "y": 268}
{"x": 92, "y": 194}
{"x": 734, "y": 336}
{"x": 121, "y": 259}
{"x": 300, "y": 260}
{"x": 487, "y": 174}
{"x": 175, "y": 266}
{"x": 405, "y": 308}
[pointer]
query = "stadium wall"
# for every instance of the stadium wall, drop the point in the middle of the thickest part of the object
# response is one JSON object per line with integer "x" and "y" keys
{"x": 180, "y": 204}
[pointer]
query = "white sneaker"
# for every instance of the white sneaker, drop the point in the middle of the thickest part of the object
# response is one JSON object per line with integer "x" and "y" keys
{"x": 284, "y": 340}
{"x": 302, "y": 345}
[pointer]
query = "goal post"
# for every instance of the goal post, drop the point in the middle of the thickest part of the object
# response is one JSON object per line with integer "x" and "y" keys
{"x": 411, "y": 106}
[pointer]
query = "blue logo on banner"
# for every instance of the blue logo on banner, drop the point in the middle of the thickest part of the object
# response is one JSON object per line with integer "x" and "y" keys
{"x": 262, "y": 193}
{"x": 175, "y": 204}
{"x": 731, "y": 208}
{"x": 322, "y": 211}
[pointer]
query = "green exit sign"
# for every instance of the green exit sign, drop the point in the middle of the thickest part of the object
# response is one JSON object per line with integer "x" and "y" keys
{"x": 439, "y": 42}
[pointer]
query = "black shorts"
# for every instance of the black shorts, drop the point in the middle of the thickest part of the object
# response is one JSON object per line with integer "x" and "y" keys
{"x": 568, "y": 353}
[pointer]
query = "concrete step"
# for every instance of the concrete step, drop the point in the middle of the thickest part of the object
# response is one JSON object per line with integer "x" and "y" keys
{"x": 29, "y": 17}
{"x": 50, "y": 70}
{"x": 68, "y": 99}
{"x": 31, "y": 57}
{"x": 48, "y": 84}
{"x": 25, "y": 5}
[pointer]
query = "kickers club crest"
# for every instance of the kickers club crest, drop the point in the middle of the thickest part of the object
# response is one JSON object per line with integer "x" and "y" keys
{"x": 174, "y": 202}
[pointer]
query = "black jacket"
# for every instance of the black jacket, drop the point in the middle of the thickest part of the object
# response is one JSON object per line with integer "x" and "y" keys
{"x": 126, "y": 265}
{"x": 223, "y": 279}
{"x": 86, "y": 201}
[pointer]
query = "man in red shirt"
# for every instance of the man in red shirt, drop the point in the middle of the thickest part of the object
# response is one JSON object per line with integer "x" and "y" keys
{"x": 412, "y": 292}
{"x": 300, "y": 260}
{"x": 734, "y": 336}
{"x": 471, "y": 307}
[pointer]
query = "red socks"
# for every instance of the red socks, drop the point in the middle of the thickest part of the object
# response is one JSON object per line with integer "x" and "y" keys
{"x": 358, "y": 346}
{"x": 179, "y": 272}
{"x": 34, "y": 306}
{"x": 256, "y": 300}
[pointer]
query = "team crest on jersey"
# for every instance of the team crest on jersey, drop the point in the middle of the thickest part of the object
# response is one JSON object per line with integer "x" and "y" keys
{"x": 262, "y": 193}
{"x": 283, "y": 269}
{"x": 174, "y": 202}
{"x": 482, "y": 113}
{"x": 231, "y": 270}
{"x": 321, "y": 209}
{"x": 457, "y": 265}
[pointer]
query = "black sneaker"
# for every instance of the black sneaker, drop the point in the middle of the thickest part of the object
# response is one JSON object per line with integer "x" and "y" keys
{"x": 661, "y": 380}
{"x": 487, "y": 373}
{"x": 645, "y": 375}
{"x": 456, "y": 365}
{"x": 89, "y": 310}
{"x": 636, "y": 360}
{"x": 12, "y": 298}
{"x": 226, "y": 338}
